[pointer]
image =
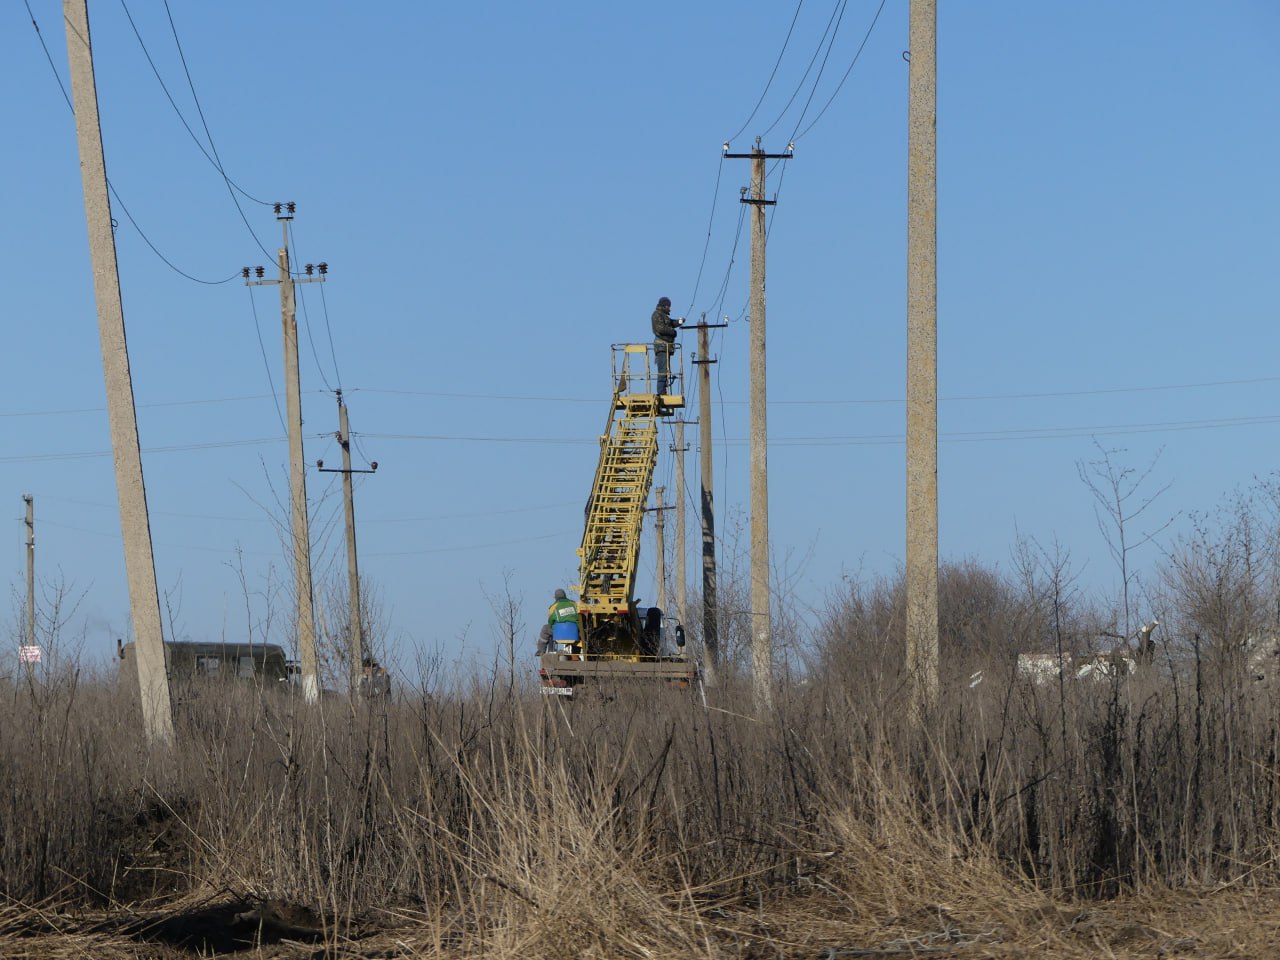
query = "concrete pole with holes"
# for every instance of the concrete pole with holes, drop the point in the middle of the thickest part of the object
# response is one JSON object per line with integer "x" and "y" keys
{"x": 139, "y": 560}
{"x": 761, "y": 624}
{"x": 681, "y": 546}
{"x": 710, "y": 628}
{"x": 353, "y": 566}
{"x": 307, "y": 653}
{"x": 922, "y": 361}
{"x": 30, "y": 626}
{"x": 659, "y": 530}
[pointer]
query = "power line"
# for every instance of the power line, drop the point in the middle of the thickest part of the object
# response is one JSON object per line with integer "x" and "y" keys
{"x": 967, "y": 436}
{"x": 306, "y": 322}
{"x": 777, "y": 63}
{"x": 156, "y": 250}
{"x": 715, "y": 199}
{"x": 469, "y": 546}
{"x": 469, "y": 396}
{"x": 173, "y": 103}
{"x": 364, "y": 520}
{"x": 324, "y": 302}
{"x": 479, "y": 439}
{"x": 212, "y": 146}
{"x": 147, "y": 240}
{"x": 844, "y": 5}
{"x": 306, "y": 318}
{"x": 173, "y": 448}
{"x": 839, "y": 7}
{"x": 874, "y": 20}
{"x": 1101, "y": 391}
{"x": 733, "y": 254}
{"x": 257, "y": 326}
{"x": 159, "y": 403}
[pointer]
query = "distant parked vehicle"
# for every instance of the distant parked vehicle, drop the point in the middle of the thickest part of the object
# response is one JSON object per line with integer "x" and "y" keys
{"x": 216, "y": 662}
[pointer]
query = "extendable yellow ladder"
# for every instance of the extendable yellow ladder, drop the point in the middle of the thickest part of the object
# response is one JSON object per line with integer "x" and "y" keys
{"x": 628, "y": 456}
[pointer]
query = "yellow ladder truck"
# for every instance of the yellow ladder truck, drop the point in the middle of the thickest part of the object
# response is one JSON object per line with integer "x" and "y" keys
{"x": 617, "y": 639}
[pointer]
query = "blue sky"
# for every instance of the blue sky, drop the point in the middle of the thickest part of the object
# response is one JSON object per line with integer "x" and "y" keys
{"x": 504, "y": 190}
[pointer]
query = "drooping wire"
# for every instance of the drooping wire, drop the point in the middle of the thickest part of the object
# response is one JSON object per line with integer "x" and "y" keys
{"x": 265, "y": 362}
{"x": 715, "y": 199}
{"x": 173, "y": 103}
{"x": 324, "y": 302}
{"x": 724, "y": 284}
{"x": 145, "y": 239}
{"x": 154, "y": 249}
{"x": 835, "y": 93}
{"x": 355, "y": 440}
{"x": 777, "y": 63}
{"x": 212, "y": 146}
{"x": 52, "y": 66}
{"x": 839, "y": 7}
{"x": 306, "y": 319}
{"x": 844, "y": 5}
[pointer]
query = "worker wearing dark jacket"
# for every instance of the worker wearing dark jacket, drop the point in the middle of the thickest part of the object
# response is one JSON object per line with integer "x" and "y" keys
{"x": 664, "y": 338}
{"x": 562, "y": 616}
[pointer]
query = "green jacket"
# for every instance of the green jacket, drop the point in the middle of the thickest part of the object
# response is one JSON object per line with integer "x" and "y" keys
{"x": 562, "y": 611}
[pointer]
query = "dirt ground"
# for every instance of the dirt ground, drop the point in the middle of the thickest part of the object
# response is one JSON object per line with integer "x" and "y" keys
{"x": 1228, "y": 922}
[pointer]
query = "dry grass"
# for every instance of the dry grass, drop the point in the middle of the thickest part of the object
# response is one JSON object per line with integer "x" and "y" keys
{"x": 1135, "y": 817}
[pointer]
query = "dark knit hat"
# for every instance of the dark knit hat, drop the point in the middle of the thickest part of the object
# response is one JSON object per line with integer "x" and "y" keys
{"x": 664, "y": 302}
{"x": 559, "y": 594}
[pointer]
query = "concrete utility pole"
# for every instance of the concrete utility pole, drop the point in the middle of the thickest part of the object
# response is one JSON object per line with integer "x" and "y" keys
{"x": 679, "y": 449}
{"x": 31, "y": 569}
{"x": 922, "y": 360}
{"x": 761, "y": 623}
{"x": 139, "y": 560}
{"x": 659, "y": 527}
{"x": 356, "y": 627}
{"x": 710, "y": 629}
{"x": 30, "y": 626}
{"x": 307, "y": 652}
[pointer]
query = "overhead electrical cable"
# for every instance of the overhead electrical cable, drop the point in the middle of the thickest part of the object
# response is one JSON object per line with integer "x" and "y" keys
{"x": 867, "y": 36}
{"x": 885, "y": 401}
{"x": 147, "y": 240}
{"x": 266, "y": 364}
{"x": 777, "y": 63}
{"x": 715, "y": 199}
{"x": 844, "y": 5}
{"x": 468, "y": 546}
{"x": 962, "y": 436}
{"x": 733, "y": 254}
{"x": 171, "y": 448}
{"x": 839, "y": 8}
{"x": 212, "y": 146}
{"x": 176, "y": 109}
{"x": 333, "y": 353}
{"x": 67, "y": 411}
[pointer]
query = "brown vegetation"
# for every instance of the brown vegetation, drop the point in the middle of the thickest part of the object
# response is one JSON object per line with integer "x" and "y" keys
{"x": 1136, "y": 815}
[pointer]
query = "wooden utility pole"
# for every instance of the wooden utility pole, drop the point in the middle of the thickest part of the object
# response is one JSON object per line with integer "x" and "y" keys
{"x": 761, "y": 622}
{"x": 710, "y": 629}
{"x": 659, "y": 526}
{"x": 922, "y": 360}
{"x": 356, "y": 628}
{"x": 301, "y": 529}
{"x": 139, "y": 560}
